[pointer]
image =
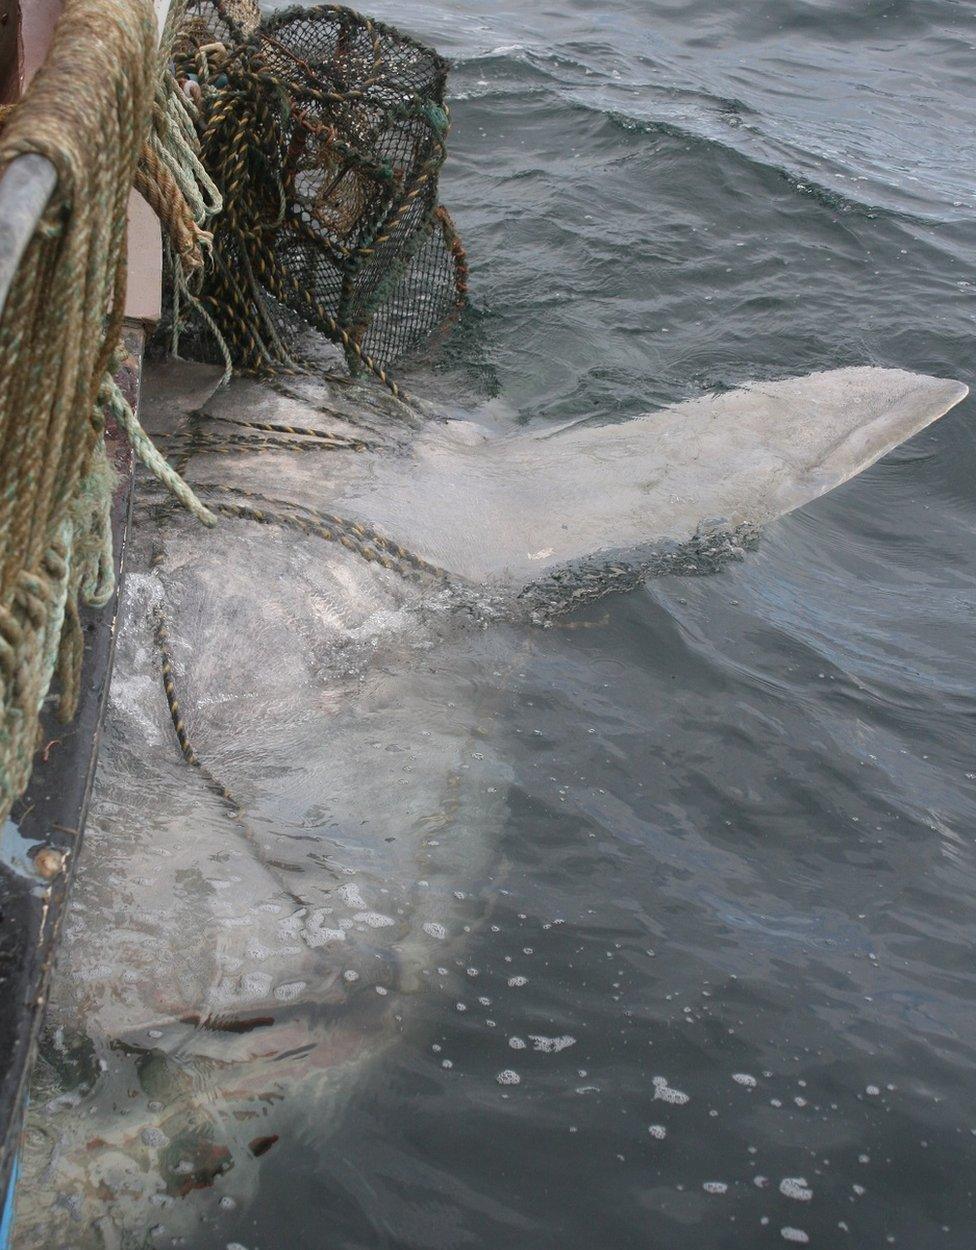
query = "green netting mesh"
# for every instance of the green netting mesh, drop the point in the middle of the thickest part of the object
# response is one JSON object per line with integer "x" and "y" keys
{"x": 325, "y": 133}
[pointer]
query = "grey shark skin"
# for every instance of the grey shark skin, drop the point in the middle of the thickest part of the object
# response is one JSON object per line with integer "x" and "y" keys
{"x": 226, "y": 978}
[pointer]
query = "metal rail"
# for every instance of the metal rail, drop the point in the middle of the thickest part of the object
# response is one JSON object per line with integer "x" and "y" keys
{"x": 26, "y": 187}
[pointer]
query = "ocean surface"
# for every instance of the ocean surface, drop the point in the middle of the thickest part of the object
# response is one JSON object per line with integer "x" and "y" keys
{"x": 713, "y": 983}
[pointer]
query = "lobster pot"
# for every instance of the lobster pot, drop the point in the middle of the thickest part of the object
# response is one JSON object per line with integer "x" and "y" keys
{"x": 325, "y": 132}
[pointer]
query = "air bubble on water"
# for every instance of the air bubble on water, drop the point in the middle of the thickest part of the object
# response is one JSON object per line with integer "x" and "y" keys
{"x": 872, "y": 1091}
{"x": 715, "y": 1187}
{"x": 289, "y": 992}
{"x": 381, "y": 990}
{"x": 472, "y": 972}
{"x": 442, "y": 972}
{"x": 315, "y": 933}
{"x": 796, "y": 1235}
{"x": 435, "y": 930}
{"x": 485, "y": 1002}
{"x": 658, "y": 1131}
{"x": 551, "y": 1045}
{"x": 374, "y": 919}
{"x": 517, "y": 982}
{"x": 350, "y": 975}
{"x": 795, "y": 1187}
{"x": 664, "y": 1091}
{"x": 255, "y": 984}
{"x": 155, "y": 1033}
{"x": 859, "y": 1190}
{"x": 760, "y": 1182}
{"x": 743, "y": 1078}
{"x": 350, "y": 895}
{"x": 460, "y": 1006}
{"x": 154, "y": 1137}
{"x": 447, "y": 1063}
{"x": 226, "y": 1203}
{"x": 508, "y": 1077}
{"x": 516, "y": 1043}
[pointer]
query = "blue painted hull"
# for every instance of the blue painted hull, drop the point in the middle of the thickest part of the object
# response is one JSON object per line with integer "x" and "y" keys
{"x": 7, "y": 1218}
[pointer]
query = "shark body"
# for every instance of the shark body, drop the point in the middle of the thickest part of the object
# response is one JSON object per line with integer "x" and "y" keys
{"x": 223, "y": 979}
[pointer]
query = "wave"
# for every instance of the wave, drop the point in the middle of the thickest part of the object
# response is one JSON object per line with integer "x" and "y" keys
{"x": 846, "y": 170}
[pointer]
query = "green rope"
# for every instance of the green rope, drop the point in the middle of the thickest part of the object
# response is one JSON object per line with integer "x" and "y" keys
{"x": 114, "y": 403}
{"x": 60, "y": 564}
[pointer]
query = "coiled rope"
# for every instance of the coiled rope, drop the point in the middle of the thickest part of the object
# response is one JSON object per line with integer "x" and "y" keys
{"x": 87, "y": 111}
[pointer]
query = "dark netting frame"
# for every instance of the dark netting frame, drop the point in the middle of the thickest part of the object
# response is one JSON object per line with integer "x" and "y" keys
{"x": 325, "y": 133}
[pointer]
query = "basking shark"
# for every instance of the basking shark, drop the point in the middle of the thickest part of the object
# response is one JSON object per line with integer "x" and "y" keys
{"x": 227, "y": 963}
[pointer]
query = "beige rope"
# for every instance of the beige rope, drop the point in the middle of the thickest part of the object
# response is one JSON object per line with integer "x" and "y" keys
{"x": 87, "y": 110}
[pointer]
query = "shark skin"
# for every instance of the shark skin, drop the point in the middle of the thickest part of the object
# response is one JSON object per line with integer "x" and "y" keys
{"x": 227, "y": 976}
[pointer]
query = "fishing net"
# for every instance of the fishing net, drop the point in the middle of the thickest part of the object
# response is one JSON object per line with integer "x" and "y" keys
{"x": 325, "y": 134}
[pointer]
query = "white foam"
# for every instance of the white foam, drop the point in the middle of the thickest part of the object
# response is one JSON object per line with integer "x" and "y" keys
{"x": 315, "y": 932}
{"x": 796, "y": 1235}
{"x": 551, "y": 1045}
{"x": 795, "y": 1187}
{"x": 255, "y": 984}
{"x": 374, "y": 919}
{"x": 663, "y": 1090}
{"x": 508, "y": 1077}
{"x": 434, "y": 930}
{"x": 350, "y": 895}
{"x": 289, "y": 992}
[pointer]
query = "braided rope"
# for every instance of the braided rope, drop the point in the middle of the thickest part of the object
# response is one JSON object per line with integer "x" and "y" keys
{"x": 87, "y": 111}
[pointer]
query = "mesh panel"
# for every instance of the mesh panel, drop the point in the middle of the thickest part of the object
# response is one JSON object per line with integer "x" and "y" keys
{"x": 325, "y": 132}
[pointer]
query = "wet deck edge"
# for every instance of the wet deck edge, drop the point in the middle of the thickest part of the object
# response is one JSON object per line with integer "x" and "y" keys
{"x": 52, "y": 814}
